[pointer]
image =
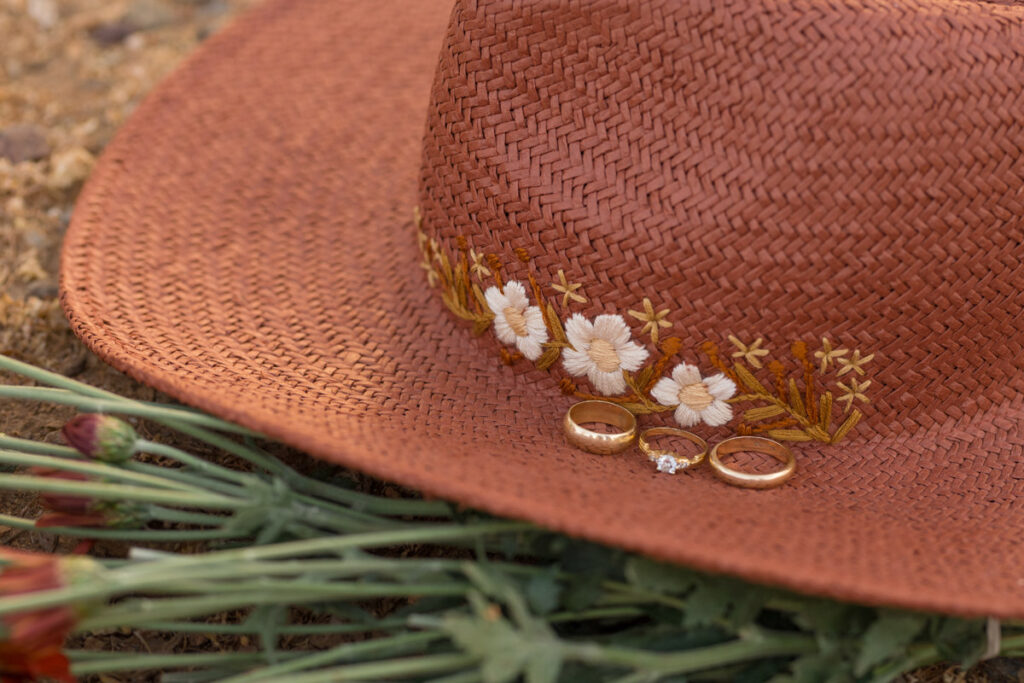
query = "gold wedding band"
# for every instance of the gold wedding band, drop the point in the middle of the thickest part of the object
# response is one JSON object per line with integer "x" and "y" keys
{"x": 605, "y": 413}
{"x": 668, "y": 461}
{"x": 753, "y": 444}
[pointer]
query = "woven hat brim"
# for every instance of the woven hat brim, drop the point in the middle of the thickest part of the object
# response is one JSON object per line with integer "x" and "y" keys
{"x": 245, "y": 245}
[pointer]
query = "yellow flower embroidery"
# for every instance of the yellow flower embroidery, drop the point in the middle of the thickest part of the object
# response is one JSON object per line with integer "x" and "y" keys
{"x": 652, "y": 321}
{"x": 568, "y": 290}
{"x": 752, "y": 353}
{"x": 478, "y": 267}
{"x": 854, "y": 391}
{"x": 855, "y": 363}
{"x": 435, "y": 249}
{"x": 828, "y": 354}
{"x": 432, "y": 276}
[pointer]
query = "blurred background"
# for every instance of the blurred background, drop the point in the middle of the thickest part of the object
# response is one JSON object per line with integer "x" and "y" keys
{"x": 71, "y": 71}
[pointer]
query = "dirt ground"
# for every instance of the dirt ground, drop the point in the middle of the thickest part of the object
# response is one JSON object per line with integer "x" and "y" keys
{"x": 71, "y": 71}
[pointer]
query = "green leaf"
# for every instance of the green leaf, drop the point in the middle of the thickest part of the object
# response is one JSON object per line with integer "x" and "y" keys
{"x": 706, "y": 605}
{"x": 544, "y": 665}
{"x": 959, "y": 640}
{"x": 886, "y": 638}
{"x": 818, "y": 668}
{"x": 659, "y": 577}
{"x": 544, "y": 593}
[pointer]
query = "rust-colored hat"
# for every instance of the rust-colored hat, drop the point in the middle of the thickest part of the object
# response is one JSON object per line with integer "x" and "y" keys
{"x": 817, "y": 205}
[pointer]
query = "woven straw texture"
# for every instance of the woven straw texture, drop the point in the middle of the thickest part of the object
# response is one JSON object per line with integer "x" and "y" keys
{"x": 789, "y": 170}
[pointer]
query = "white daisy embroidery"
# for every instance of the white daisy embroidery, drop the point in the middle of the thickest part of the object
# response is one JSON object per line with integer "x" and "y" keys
{"x": 601, "y": 350}
{"x": 696, "y": 399}
{"x": 516, "y": 321}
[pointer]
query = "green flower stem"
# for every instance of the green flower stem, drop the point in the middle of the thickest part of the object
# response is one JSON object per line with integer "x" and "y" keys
{"x": 182, "y": 476}
{"x": 120, "y": 492}
{"x": 154, "y": 536}
{"x": 38, "y": 447}
{"x": 245, "y": 629}
{"x": 472, "y": 676}
{"x": 204, "y": 466}
{"x": 391, "y": 646}
{"x": 191, "y": 422}
{"x": 138, "y": 612}
{"x": 626, "y": 593}
{"x": 929, "y": 654}
{"x": 389, "y": 669}
{"x": 185, "y": 517}
{"x": 94, "y": 469}
{"x": 337, "y": 518}
{"x": 299, "y": 590}
{"x": 358, "y": 501}
{"x": 151, "y": 574}
{"x": 60, "y": 381}
{"x": 107, "y": 662}
{"x": 420, "y": 534}
{"x": 118, "y": 405}
{"x": 764, "y": 644}
{"x": 586, "y": 615}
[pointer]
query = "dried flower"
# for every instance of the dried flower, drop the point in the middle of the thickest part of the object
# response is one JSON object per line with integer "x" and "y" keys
{"x": 31, "y": 642}
{"x": 101, "y": 437}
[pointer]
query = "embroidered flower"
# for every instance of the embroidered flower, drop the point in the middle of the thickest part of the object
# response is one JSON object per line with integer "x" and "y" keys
{"x": 568, "y": 290}
{"x": 856, "y": 363}
{"x": 751, "y": 353}
{"x": 516, "y": 321}
{"x": 478, "y": 267}
{"x": 854, "y": 392}
{"x": 828, "y": 354}
{"x": 696, "y": 399}
{"x": 602, "y": 350}
{"x": 652, "y": 320}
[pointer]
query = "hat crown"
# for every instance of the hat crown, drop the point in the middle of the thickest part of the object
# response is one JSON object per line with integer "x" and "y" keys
{"x": 755, "y": 172}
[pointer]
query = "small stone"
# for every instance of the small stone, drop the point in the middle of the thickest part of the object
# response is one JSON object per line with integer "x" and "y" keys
{"x": 23, "y": 142}
{"x": 43, "y": 12}
{"x": 43, "y": 290}
{"x": 69, "y": 167}
{"x": 112, "y": 32}
{"x": 150, "y": 14}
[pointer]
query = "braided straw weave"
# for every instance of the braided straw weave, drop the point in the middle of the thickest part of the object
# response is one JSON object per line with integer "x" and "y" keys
{"x": 785, "y": 170}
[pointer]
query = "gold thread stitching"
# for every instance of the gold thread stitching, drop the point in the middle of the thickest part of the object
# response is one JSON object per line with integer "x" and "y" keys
{"x": 806, "y": 415}
{"x": 567, "y": 290}
{"x": 652, "y": 321}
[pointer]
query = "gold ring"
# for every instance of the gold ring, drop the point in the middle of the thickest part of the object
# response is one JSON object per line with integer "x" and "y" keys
{"x": 667, "y": 460}
{"x": 755, "y": 444}
{"x": 605, "y": 413}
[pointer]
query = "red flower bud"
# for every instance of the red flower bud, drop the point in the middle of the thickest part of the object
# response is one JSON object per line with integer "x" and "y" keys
{"x": 31, "y": 642}
{"x": 101, "y": 437}
{"x": 68, "y": 509}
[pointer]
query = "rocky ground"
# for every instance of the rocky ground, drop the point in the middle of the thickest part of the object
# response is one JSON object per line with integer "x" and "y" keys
{"x": 71, "y": 71}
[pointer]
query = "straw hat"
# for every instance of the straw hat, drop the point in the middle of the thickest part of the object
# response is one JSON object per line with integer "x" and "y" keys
{"x": 815, "y": 205}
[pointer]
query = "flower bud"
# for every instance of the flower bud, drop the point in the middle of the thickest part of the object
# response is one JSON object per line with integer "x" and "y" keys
{"x": 71, "y": 510}
{"x": 32, "y": 641}
{"x": 101, "y": 437}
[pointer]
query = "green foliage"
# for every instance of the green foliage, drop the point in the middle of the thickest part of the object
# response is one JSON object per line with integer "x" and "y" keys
{"x": 532, "y": 606}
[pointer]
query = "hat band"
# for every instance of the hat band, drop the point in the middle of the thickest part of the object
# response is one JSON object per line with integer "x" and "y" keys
{"x": 816, "y": 402}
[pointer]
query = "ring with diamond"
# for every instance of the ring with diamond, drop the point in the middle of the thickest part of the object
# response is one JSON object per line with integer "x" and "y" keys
{"x": 752, "y": 444}
{"x": 603, "y": 412}
{"x": 668, "y": 461}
